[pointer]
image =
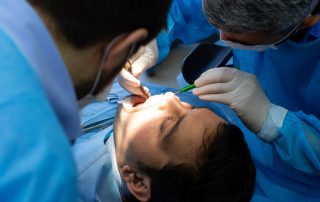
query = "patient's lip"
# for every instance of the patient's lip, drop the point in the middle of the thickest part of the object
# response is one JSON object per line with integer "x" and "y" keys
{"x": 156, "y": 99}
{"x": 135, "y": 102}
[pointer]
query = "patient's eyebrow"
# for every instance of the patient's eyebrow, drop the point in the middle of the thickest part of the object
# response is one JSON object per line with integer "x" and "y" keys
{"x": 173, "y": 129}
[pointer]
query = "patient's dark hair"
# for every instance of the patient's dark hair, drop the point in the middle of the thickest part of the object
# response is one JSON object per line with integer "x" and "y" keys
{"x": 224, "y": 171}
{"x": 85, "y": 23}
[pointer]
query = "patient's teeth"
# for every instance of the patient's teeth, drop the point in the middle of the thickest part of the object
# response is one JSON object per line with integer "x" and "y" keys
{"x": 127, "y": 103}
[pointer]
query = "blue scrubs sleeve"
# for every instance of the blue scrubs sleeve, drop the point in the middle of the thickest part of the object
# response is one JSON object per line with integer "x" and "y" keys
{"x": 36, "y": 162}
{"x": 298, "y": 143}
{"x": 186, "y": 22}
{"x": 295, "y": 138}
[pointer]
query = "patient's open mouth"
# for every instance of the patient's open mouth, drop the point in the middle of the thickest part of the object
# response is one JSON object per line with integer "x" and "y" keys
{"x": 133, "y": 101}
{"x": 137, "y": 101}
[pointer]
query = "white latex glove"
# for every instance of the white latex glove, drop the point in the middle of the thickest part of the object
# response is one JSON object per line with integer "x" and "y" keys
{"x": 146, "y": 57}
{"x": 240, "y": 90}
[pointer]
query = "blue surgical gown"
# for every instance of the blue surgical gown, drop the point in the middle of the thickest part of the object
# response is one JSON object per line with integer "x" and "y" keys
{"x": 38, "y": 111}
{"x": 288, "y": 166}
{"x": 184, "y": 25}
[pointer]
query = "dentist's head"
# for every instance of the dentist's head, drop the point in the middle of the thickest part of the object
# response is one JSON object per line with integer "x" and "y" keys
{"x": 260, "y": 24}
{"x": 96, "y": 37}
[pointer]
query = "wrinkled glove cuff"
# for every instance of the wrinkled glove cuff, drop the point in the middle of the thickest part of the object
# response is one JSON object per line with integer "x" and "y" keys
{"x": 272, "y": 123}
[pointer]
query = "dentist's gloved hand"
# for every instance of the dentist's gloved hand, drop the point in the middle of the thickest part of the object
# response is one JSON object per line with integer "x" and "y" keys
{"x": 240, "y": 90}
{"x": 146, "y": 57}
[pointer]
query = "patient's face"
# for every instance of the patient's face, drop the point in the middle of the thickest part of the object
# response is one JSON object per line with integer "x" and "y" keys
{"x": 162, "y": 130}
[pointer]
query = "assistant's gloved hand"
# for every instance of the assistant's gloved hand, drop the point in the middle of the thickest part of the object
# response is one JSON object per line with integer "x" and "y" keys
{"x": 146, "y": 57}
{"x": 240, "y": 90}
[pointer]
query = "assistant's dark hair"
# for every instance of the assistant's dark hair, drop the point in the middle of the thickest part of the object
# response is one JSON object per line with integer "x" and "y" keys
{"x": 85, "y": 23}
{"x": 224, "y": 172}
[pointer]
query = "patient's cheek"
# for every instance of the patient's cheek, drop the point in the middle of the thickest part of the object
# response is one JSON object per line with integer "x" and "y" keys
{"x": 141, "y": 136}
{"x": 145, "y": 149}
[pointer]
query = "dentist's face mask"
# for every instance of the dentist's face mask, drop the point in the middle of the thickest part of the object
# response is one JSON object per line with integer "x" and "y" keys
{"x": 259, "y": 47}
{"x": 101, "y": 78}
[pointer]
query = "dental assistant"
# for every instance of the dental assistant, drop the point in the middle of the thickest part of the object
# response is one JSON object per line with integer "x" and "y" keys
{"x": 276, "y": 93}
{"x": 54, "y": 53}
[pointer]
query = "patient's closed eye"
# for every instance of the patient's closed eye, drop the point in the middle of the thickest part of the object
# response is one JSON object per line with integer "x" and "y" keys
{"x": 165, "y": 124}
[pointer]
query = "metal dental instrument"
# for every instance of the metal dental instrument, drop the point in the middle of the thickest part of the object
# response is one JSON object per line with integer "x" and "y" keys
{"x": 185, "y": 89}
{"x": 129, "y": 69}
{"x": 97, "y": 126}
{"x": 112, "y": 98}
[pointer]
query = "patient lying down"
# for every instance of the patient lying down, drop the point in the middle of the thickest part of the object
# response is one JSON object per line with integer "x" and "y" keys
{"x": 166, "y": 150}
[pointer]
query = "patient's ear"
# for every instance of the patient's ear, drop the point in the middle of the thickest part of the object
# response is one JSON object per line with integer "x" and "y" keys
{"x": 137, "y": 183}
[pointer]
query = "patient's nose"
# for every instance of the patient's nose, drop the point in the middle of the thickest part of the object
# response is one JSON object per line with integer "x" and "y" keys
{"x": 172, "y": 96}
{"x": 172, "y": 100}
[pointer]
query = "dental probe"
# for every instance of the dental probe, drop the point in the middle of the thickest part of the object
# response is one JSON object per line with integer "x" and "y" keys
{"x": 192, "y": 86}
{"x": 185, "y": 89}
